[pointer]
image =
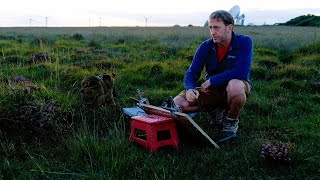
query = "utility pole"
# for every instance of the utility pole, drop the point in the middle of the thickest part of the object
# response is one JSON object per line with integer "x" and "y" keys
{"x": 147, "y": 18}
{"x": 30, "y": 20}
{"x": 100, "y": 20}
{"x": 46, "y": 21}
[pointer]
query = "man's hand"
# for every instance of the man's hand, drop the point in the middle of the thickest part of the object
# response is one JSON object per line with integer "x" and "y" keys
{"x": 205, "y": 87}
{"x": 192, "y": 95}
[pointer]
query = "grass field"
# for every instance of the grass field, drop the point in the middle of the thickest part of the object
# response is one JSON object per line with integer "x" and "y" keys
{"x": 47, "y": 133}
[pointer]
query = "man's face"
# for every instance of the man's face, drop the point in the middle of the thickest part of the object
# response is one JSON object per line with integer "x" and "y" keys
{"x": 219, "y": 31}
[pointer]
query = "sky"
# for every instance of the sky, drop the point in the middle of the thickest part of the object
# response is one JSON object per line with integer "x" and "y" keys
{"x": 92, "y": 13}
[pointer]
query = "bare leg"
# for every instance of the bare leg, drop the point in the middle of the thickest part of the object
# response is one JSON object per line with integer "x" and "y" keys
{"x": 236, "y": 97}
{"x": 184, "y": 104}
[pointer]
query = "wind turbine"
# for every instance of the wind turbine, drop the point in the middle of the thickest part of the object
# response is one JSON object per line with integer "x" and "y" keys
{"x": 147, "y": 18}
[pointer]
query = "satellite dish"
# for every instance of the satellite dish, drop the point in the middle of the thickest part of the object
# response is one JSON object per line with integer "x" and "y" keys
{"x": 242, "y": 17}
{"x": 235, "y": 11}
{"x": 206, "y": 24}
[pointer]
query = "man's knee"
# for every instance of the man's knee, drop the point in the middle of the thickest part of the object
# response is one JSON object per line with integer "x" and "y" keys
{"x": 235, "y": 88}
{"x": 180, "y": 101}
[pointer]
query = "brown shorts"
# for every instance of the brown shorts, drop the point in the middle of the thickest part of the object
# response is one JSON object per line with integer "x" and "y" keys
{"x": 216, "y": 98}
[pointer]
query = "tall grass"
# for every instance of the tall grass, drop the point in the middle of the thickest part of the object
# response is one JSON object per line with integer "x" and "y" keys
{"x": 83, "y": 143}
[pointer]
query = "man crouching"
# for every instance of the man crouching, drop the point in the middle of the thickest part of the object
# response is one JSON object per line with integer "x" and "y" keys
{"x": 227, "y": 59}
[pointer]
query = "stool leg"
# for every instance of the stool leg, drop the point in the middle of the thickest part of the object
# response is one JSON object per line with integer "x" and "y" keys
{"x": 136, "y": 125}
{"x": 152, "y": 138}
{"x": 172, "y": 141}
{"x": 174, "y": 135}
{"x": 132, "y": 130}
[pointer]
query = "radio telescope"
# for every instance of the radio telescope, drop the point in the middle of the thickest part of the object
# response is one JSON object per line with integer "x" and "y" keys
{"x": 235, "y": 12}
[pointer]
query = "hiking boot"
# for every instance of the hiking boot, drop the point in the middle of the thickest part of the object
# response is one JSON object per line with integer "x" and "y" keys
{"x": 217, "y": 116}
{"x": 230, "y": 126}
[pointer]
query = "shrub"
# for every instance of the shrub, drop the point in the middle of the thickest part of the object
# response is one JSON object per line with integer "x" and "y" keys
{"x": 7, "y": 37}
{"x": 291, "y": 84}
{"x": 77, "y": 36}
{"x": 14, "y": 60}
{"x": 275, "y": 153}
{"x": 120, "y": 41}
{"x": 259, "y": 72}
{"x": 40, "y": 41}
{"x": 286, "y": 58}
{"x": 94, "y": 44}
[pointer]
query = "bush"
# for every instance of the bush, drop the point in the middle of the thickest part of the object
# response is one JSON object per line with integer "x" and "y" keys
{"x": 259, "y": 73}
{"x": 40, "y": 41}
{"x": 7, "y": 37}
{"x": 120, "y": 41}
{"x": 286, "y": 58}
{"x": 94, "y": 44}
{"x": 291, "y": 84}
{"x": 77, "y": 36}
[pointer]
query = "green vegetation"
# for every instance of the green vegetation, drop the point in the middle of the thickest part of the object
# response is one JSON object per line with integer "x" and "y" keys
{"x": 46, "y": 132}
{"x": 304, "y": 20}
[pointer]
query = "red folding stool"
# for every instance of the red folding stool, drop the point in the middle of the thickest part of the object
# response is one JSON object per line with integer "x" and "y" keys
{"x": 153, "y": 132}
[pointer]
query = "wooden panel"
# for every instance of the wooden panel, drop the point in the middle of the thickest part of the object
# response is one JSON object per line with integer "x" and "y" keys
{"x": 185, "y": 124}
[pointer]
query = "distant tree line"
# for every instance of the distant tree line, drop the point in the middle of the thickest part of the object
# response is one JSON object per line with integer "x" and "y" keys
{"x": 304, "y": 20}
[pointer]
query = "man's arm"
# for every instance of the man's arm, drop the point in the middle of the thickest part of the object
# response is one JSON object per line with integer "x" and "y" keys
{"x": 194, "y": 71}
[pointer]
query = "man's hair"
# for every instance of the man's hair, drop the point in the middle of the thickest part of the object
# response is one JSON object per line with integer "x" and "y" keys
{"x": 225, "y": 16}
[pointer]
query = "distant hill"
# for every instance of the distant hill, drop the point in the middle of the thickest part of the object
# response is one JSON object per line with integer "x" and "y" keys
{"x": 304, "y": 20}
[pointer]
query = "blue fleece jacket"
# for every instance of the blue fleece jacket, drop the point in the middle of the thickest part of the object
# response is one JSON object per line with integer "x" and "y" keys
{"x": 236, "y": 65}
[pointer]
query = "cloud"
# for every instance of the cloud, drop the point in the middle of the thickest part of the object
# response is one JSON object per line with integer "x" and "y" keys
{"x": 133, "y": 13}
